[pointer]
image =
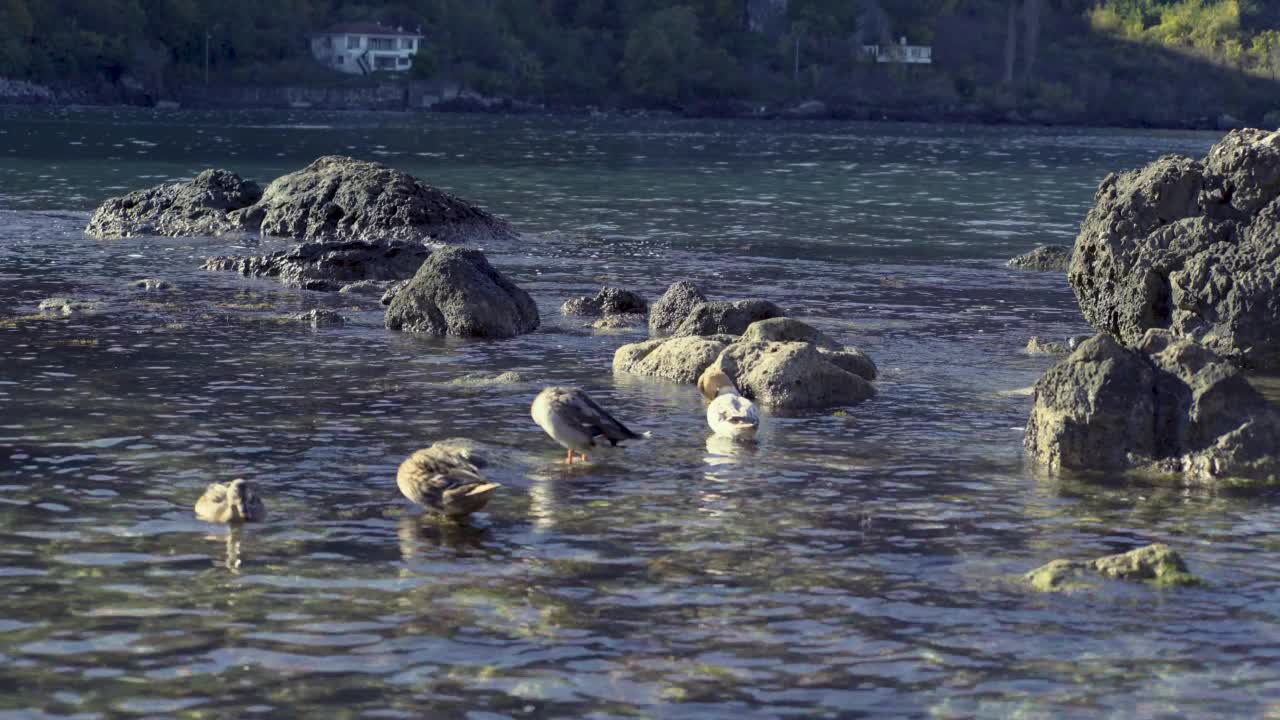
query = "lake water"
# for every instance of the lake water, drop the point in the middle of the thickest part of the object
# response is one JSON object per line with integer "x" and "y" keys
{"x": 853, "y": 563}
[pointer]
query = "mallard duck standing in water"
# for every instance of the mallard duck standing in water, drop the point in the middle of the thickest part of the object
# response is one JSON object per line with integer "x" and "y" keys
{"x": 446, "y": 480}
{"x": 730, "y": 415}
{"x": 575, "y": 421}
{"x": 232, "y": 502}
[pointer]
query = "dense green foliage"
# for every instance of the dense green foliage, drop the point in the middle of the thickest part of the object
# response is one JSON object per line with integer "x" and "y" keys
{"x": 1143, "y": 57}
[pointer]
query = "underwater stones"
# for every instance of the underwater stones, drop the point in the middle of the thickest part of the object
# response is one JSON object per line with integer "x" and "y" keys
{"x": 66, "y": 306}
{"x": 726, "y": 317}
{"x": 1189, "y": 246}
{"x": 1156, "y": 564}
{"x": 331, "y": 265}
{"x": 318, "y": 318}
{"x": 853, "y": 360}
{"x": 457, "y": 292}
{"x": 1046, "y": 258}
{"x": 609, "y": 301}
{"x": 620, "y": 322}
{"x": 1038, "y": 346}
{"x": 1169, "y": 406}
{"x": 368, "y": 287}
{"x": 205, "y": 205}
{"x": 342, "y": 198}
{"x": 791, "y": 376}
{"x": 151, "y": 284}
{"x": 480, "y": 379}
{"x": 673, "y": 307}
{"x": 680, "y": 359}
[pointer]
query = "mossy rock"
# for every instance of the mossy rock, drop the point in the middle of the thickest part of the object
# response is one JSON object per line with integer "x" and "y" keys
{"x": 1156, "y": 565}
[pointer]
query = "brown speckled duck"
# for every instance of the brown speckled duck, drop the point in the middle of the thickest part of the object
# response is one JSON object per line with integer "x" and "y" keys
{"x": 233, "y": 502}
{"x": 575, "y": 421}
{"x": 446, "y": 480}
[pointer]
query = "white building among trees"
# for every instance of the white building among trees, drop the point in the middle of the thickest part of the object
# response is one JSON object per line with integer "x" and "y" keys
{"x": 900, "y": 53}
{"x": 362, "y": 48}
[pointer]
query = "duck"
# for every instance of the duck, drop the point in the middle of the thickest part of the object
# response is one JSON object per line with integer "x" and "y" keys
{"x": 233, "y": 502}
{"x": 446, "y": 480}
{"x": 729, "y": 414}
{"x": 575, "y": 421}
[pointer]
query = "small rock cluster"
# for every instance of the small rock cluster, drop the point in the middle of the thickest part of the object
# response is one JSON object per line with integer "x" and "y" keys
{"x": 614, "y": 308}
{"x": 332, "y": 265}
{"x": 1046, "y": 258}
{"x": 777, "y": 361}
{"x": 1155, "y": 564}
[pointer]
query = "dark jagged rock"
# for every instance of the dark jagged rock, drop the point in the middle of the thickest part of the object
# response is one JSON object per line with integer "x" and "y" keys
{"x": 1168, "y": 406}
{"x": 673, "y": 307}
{"x": 457, "y": 292}
{"x": 1189, "y": 246}
{"x": 1039, "y": 346}
{"x": 726, "y": 317}
{"x": 1046, "y": 258}
{"x": 205, "y": 205}
{"x": 609, "y": 301}
{"x": 330, "y": 266}
{"x": 341, "y": 198}
{"x": 152, "y": 284}
{"x": 319, "y": 318}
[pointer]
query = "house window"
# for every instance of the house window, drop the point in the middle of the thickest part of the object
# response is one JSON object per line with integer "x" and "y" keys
{"x": 339, "y": 60}
{"x": 353, "y": 42}
{"x": 382, "y": 43}
{"x": 406, "y": 44}
{"x": 403, "y": 62}
{"x": 382, "y": 62}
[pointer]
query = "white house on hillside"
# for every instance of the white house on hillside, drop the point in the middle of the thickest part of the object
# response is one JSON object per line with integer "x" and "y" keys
{"x": 362, "y": 48}
{"x": 900, "y": 53}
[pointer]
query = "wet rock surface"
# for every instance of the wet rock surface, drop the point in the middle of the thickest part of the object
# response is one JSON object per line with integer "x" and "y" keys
{"x": 609, "y": 301}
{"x": 320, "y": 318}
{"x": 205, "y": 205}
{"x": 1156, "y": 564}
{"x": 151, "y": 284}
{"x": 680, "y": 359}
{"x": 342, "y": 198}
{"x": 726, "y": 317}
{"x": 1046, "y": 258}
{"x": 330, "y": 266}
{"x": 67, "y": 306}
{"x": 673, "y": 307}
{"x": 457, "y": 292}
{"x": 1191, "y": 246}
{"x": 791, "y": 376}
{"x": 1168, "y": 406}
{"x": 1039, "y": 346}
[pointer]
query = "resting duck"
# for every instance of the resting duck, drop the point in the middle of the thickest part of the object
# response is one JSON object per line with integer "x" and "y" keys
{"x": 233, "y": 502}
{"x": 730, "y": 415}
{"x": 575, "y": 421}
{"x": 445, "y": 479}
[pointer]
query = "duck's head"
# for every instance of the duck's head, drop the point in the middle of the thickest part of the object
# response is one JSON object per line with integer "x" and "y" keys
{"x": 714, "y": 382}
{"x": 239, "y": 497}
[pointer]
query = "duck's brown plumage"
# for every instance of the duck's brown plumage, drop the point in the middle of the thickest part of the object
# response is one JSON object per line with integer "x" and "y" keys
{"x": 444, "y": 479}
{"x": 231, "y": 502}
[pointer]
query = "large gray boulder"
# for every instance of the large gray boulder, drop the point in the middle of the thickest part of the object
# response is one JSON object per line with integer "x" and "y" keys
{"x": 457, "y": 292}
{"x": 205, "y": 205}
{"x": 1169, "y": 405}
{"x": 331, "y": 265}
{"x": 791, "y": 376}
{"x": 783, "y": 329}
{"x": 673, "y": 307}
{"x": 1191, "y": 246}
{"x": 1046, "y": 258}
{"x": 679, "y": 359}
{"x": 341, "y": 198}
{"x": 729, "y": 317}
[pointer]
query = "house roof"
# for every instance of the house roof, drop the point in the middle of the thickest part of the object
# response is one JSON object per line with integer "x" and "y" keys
{"x": 364, "y": 28}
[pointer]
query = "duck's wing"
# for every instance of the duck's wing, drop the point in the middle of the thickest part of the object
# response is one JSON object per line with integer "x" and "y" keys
{"x": 580, "y": 409}
{"x": 213, "y": 499}
{"x": 732, "y": 410}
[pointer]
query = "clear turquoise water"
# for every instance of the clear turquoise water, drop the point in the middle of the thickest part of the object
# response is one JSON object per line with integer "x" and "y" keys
{"x": 852, "y": 564}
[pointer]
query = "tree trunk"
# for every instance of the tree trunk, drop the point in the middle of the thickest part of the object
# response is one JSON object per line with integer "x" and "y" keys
{"x": 1030, "y": 38}
{"x": 1011, "y": 42}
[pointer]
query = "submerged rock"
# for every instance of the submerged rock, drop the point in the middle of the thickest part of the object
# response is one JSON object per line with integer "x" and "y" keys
{"x": 673, "y": 307}
{"x": 480, "y": 379}
{"x": 67, "y": 306}
{"x": 853, "y": 360}
{"x": 609, "y": 301}
{"x": 1169, "y": 406}
{"x": 318, "y": 318}
{"x": 1037, "y": 346}
{"x": 205, "y": 205}
{"x": 1191, "y": 246}
{"x": 1046, "y": 258}
{"x": 330, "y": 266}
{"x": 726, "y": 317}
{"x": 152, "y": 284}
{"x": 791, "y": 376}
{"x": 368, "y": 287}
{"x": 457, "y": 292}
{"x": 620, "y": 322}
{"x": 1156, "y": 564}
{"x": 341, "y": 198}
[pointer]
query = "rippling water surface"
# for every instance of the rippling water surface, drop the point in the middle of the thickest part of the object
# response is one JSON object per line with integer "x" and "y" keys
{"x": 859, "y": 562}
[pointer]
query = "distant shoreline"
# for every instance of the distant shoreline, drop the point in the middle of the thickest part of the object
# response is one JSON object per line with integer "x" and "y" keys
{"x": 430, "y": 98}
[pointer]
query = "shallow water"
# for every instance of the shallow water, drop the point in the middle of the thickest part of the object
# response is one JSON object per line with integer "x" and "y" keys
{"x": 859, "y": 562}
